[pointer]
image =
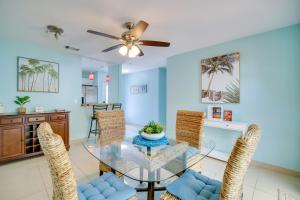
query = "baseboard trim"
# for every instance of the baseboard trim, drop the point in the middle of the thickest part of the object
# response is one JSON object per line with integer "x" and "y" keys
{"x": 78, "y": 141}
{"x": 275, "y": 168}
{"x": 133, "y": 124}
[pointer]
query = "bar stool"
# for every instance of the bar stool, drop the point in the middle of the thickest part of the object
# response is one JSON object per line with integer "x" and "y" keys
{"x": 116, "y": 106}
{"x": 94, "y": 119}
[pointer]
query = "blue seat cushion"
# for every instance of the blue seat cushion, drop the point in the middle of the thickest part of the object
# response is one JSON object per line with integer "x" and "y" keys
{"x": 105, "y": 187}
{"x": 194, "y": 186}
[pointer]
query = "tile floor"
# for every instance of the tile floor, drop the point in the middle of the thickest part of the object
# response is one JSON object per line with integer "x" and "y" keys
{"x": 30, "y": 179}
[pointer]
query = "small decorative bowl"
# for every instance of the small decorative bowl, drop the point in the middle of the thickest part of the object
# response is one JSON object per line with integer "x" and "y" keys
{"x": 156, "y": 136}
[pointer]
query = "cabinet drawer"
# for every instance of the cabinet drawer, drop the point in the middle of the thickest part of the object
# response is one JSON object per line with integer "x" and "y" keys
{"x": 36, "y": 119}
{"x": 11, "y": 120}
{"x": 58, "y": 117}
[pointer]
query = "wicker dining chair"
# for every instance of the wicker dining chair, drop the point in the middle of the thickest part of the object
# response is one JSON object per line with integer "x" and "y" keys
{"x": 64, "y": 184}
{"x": 189, "y": 128}
{"x": 206, "y": 188}
{"x": 112, "y": 128}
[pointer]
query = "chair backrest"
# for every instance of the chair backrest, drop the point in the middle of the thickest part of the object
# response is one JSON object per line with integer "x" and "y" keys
{"x": 63, "y": 180}
{"x": 189, "y": 126}
{"x": 112, "y": 124}
{"x": 116, "y": 106}
{"x": 99, "y": 107}
{"x": 238, "y": 164}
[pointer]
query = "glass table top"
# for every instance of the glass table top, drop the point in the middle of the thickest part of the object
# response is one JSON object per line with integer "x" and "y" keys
{"x": 146, "y": 164}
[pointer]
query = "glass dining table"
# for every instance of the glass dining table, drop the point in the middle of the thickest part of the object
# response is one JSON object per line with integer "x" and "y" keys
{"x": 150, "y": 165}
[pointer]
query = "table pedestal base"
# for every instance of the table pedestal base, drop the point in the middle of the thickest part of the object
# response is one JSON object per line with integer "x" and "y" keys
{"x": 150, "y": 190}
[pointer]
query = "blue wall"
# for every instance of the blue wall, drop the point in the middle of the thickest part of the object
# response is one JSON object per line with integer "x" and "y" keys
{"x": 162, "y": 96}
{"x": 141, "y": 108}
{"x": 270, "y": 92}
{"x": 69, "y": 96}
{"x": 115, "y": 72}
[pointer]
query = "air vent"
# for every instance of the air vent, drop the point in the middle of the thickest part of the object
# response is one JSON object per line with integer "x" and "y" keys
{"x": 71, "y": 48}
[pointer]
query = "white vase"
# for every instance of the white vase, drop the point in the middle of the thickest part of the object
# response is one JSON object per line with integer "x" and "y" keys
{"x": 153, "y": 136}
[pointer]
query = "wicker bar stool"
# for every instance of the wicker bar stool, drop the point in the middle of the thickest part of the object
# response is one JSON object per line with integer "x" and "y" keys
{"x": 64, "y": 184}
{"x": 189, "y": 128}
{"x": 94, "y": 119}
{"x": 112, "y": 128}
{"x": 206, "y": 188}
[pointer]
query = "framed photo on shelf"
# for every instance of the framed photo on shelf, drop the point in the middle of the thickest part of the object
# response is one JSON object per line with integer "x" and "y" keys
{"x": 215, "y": 112}
{"x": 227, "y": 115}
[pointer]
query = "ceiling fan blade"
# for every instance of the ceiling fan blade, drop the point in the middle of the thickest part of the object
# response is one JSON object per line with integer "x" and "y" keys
{"x": 103, "y": 34}
{"x": 139, "y": 29}
{"x": 141, "y": 52}
{"x": 154, "y": 43}
{"x": 112, "y": 48}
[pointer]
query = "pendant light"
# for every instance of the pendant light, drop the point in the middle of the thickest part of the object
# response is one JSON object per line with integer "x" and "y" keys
{"x": 91, "y": 76}
{"x": 107, "y": 78}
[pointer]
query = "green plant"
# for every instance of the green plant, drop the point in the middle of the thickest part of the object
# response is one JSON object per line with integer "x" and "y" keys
{"x": 21, "y": 101}
{"x": 152, "y": 128}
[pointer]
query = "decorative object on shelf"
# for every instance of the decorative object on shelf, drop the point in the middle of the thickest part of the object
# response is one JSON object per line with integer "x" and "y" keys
{"x": 55, "y": 30}
{"x": 21, "y": 101}
{"x": 221, "y": 79}
{"x": 140, "y": 140}
{"x": 152, "y": 131}
{"x": 37, "y": 75}
{"x": 130, "y": 40}
{"x": 138, "y": 89}
{"x": 215, "y": 112}
{"x": 227, "y": 115}
{"x": 91, "y": 76}
{"x": 39, "y": 109}
{"x": 2, "y": 110}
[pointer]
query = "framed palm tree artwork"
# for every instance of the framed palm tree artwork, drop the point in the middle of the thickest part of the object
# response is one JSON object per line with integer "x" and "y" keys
{"x": 37, "y": 75}
{"x": 221, "y": 79}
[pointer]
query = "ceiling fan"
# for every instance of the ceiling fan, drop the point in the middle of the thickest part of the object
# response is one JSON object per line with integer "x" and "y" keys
{"x": 130, "y": 40}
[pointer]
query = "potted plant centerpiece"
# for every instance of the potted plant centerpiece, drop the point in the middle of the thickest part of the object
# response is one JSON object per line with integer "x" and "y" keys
{"x": 21, "y": 101}
{"x": 152, "y": 131}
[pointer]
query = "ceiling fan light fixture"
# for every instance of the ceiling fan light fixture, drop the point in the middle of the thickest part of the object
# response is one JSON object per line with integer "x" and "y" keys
{"x": 133, "y": 51}
{"x": 123, "y": 50}
{"x": 131, "y": 54}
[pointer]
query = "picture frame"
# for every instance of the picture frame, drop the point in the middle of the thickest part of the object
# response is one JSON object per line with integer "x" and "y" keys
{"x": 227, "y": 116}
{"x": 220, "y": 79}
{"x": 34, "y": 75}
{"x": 215, "y": 112}
{"x": 138, "y": 89}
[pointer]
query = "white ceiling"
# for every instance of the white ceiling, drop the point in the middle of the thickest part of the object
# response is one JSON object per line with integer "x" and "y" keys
{"x": 188, "y": 24}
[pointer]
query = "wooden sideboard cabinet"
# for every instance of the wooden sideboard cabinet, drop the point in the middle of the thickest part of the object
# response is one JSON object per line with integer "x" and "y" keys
{"x": 18, "y": 133}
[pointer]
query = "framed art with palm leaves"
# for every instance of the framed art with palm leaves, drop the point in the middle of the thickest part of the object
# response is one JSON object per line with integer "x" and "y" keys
{"x": 221, "y": 79}
{"x": 37, "y": 75}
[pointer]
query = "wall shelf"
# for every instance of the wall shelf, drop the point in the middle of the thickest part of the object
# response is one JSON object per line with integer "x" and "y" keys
{"x": 239, "y": 127}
